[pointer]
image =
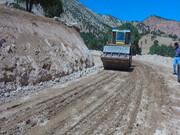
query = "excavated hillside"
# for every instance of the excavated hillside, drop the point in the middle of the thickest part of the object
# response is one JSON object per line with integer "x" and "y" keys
{"x": 35, "y": 49}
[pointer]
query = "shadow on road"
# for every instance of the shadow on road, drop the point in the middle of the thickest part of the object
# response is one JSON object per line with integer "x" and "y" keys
{"x": 123, "y": 70}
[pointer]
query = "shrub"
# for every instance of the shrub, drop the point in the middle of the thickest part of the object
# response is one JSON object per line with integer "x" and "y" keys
{"x": 162, "y": 50}
{"x": 92, "y": 42}
{"x": 15, "y": 5}
{"x": 156, "y": 42}
{"x": 52, "y": 7}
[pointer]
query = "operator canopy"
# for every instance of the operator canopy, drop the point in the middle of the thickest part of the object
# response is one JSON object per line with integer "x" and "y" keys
{"x": 120, "y": 36}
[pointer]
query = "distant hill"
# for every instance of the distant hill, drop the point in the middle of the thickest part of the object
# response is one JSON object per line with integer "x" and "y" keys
{"x": 147, "y": 41}
{"x": 92, "y": 22}
{"x": 88, "y": 20}
{"x": 167, "y": 26}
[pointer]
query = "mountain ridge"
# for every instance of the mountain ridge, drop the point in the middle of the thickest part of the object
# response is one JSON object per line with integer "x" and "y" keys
{"x": 92, "y": 22}
{"x": 167, "y": 26}
{"x": 87, "y": 19}
{"x": 160, "y": 18}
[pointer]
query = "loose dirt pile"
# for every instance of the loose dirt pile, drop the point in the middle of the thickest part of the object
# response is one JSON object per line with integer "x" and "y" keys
{"x": 35, "y": 49}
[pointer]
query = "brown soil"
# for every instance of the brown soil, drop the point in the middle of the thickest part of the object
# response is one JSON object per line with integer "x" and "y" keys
{"x": 36, "y": 49}
{"x": 106, "y": 102}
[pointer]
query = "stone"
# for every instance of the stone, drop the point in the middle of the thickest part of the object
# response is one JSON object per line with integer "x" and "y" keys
{"x": 12, "y": 93}
{"x": 41, "y": 83}
{"x": 14, "y": 46}
{"x": 1, "y": 42}
{"x": 19, "y": 89}
{"x": 57, "y": 80}
{"x": 56, "y": 18}
{"x": 37, "y": 52}
{"x": 7, "y": 94}
{"x": 8, "y": 49}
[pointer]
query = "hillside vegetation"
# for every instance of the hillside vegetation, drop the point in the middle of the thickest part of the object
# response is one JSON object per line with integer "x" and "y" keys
{"x": 162, "y": 50}
{"x": 98, "y": 43}
{"x": 51, "y": 8}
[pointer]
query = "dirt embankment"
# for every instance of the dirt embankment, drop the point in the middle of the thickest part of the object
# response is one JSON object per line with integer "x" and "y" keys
{"x": 35, "y": 49}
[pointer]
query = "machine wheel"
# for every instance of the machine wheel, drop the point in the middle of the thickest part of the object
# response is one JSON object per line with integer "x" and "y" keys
{"x": 178, "y": 69}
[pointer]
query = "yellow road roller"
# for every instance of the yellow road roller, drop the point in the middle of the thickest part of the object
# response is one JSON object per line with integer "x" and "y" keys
{"x": 117, "y": 53}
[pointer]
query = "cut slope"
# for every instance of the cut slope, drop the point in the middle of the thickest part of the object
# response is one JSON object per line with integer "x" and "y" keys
{"x": 34, "y": 49}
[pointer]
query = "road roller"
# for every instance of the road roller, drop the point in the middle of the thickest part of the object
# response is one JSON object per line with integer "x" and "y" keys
{"x": 117, "y": 53}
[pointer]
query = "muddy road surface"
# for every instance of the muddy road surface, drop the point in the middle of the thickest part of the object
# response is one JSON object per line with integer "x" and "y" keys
{"x": 103, "y": 103}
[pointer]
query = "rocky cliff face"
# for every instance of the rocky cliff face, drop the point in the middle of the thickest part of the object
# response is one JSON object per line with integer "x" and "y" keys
{"x": 88, "y": 20}
{"x": 35, "y": 49}
{"x": 167, "y": 26}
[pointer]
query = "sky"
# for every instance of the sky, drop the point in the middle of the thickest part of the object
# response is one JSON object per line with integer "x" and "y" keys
{"x": 135, "y": 10}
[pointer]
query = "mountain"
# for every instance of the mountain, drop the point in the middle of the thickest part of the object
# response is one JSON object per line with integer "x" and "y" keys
{"x": 157, "y": 23}
{"x": 88, "y": 20}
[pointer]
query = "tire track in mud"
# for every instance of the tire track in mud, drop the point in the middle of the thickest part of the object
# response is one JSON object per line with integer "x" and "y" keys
{"x": 87, "y": 111}
{"x": 113, "y": 122}
{"x": 158, "y": 96}
{"x": 134, "y": 112}
{"x": 110, "y": 102}
{"x": 18, "y": 106}
{"x": 99, "y": 113}
{"x": 22, "y": 117}
{"x": 151, "y": 113}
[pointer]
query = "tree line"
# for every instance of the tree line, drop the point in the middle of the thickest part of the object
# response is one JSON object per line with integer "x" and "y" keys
{"x": 97, "y": 43}
{"x": 51, "y": 8}
{"x": 162, "y": 50}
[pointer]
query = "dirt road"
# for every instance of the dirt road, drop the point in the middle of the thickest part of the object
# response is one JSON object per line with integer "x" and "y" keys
{"x": 104, "y": 103}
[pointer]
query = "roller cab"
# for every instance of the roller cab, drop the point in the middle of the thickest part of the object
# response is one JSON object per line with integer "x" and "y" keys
{"x": 117, "y": 53}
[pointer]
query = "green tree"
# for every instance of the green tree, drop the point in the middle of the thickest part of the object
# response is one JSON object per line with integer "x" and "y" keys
{"x": 173, "y": 36}
{"x": 92, "y": 42}
{"x": 51, "y": 8}
{"x": 16, "y": 5}
{"x": 156, "y": 42}
{"x": 153, "y": 37}
{"x": 29, "y": 4}
{"x": 162, "y": 50}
